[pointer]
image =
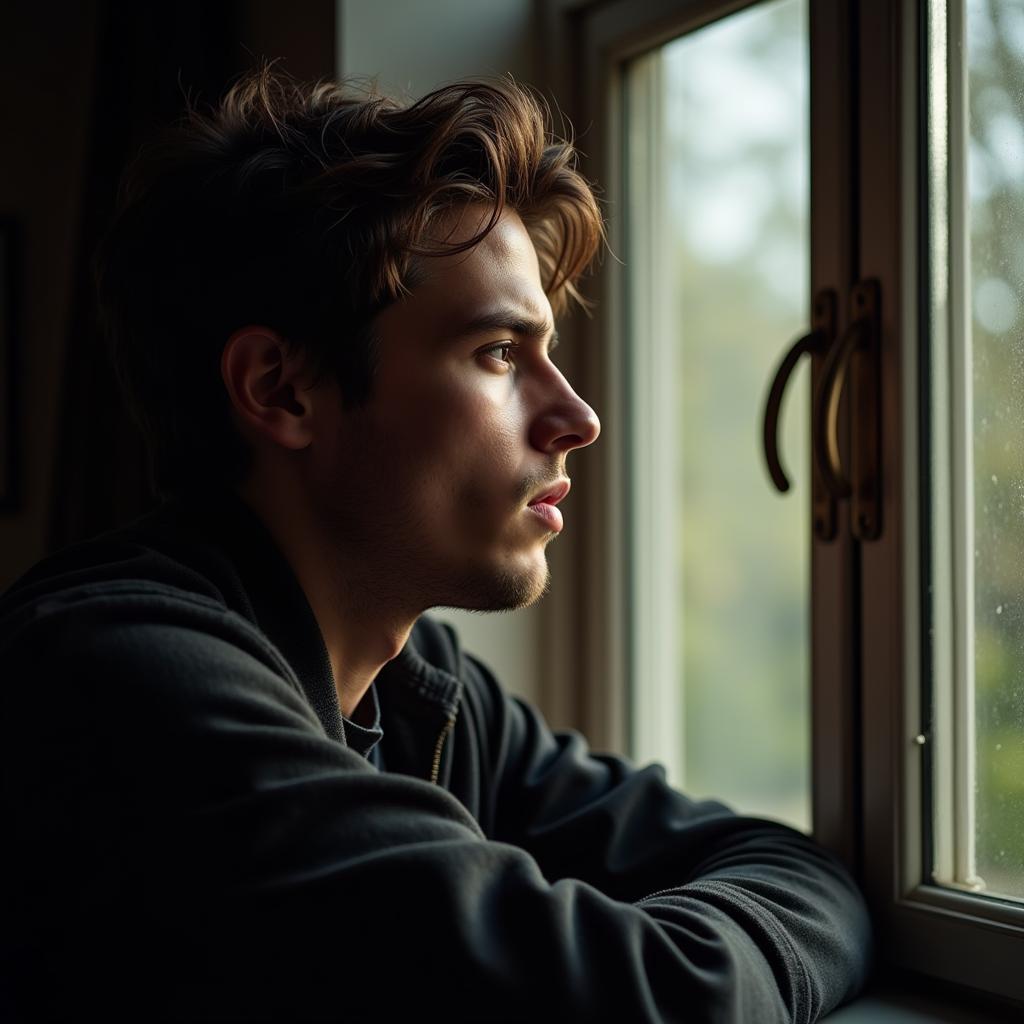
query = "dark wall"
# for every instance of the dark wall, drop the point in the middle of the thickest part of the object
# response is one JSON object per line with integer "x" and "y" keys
{"x": 82, "y": 83}
{"x": 47, "y": 55}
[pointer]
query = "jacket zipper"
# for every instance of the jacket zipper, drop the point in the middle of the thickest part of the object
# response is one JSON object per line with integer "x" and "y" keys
{"x": 435, "y": 770}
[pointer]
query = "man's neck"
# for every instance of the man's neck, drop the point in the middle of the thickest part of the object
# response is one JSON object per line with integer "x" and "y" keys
{"x": 358, "y": 649}
{"x": 359, "y": 636}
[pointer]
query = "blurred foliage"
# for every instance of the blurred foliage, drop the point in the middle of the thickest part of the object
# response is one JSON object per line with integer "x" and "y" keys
{"x": 995, "y": 54}
{"x": 737, "y": 154}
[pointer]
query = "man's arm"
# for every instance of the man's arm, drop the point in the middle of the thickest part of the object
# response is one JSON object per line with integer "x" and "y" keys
{"x": 229, "y": 857}
{"x": 624, "y": 830}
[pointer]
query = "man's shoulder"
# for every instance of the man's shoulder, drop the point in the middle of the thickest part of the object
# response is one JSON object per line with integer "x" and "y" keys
{"x": 145, "y": 552}
{"x": 120, "y": 604}
{"x": 116, "y": 577}
{"x": 155, "y": 568}
{"x": 109, "y": 655}
{"x": 118, "y": 598}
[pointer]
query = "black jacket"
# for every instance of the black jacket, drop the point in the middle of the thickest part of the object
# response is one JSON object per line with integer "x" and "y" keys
{"x": 194, "y": 831}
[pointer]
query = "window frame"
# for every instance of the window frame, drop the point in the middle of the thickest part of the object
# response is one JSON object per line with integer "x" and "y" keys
{"x": 867, "y": 87}
{"x": 960, "y": 937}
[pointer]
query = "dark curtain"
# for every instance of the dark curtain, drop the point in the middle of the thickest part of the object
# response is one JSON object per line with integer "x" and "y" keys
{"x": 149, "y": 57}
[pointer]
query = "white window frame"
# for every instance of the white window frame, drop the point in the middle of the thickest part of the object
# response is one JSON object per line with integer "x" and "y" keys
{"x": 868, "y": 761}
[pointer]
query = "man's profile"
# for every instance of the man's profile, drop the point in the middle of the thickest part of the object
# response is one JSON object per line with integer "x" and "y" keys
{"x": 246, "y": 776}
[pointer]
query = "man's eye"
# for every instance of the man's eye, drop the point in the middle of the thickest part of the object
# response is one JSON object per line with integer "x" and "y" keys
{"x": 501, "y": 353}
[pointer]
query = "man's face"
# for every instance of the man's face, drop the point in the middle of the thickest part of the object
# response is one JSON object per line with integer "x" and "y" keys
{"x": 425, "y": 492}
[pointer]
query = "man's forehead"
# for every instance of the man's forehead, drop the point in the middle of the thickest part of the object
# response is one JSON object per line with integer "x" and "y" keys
{"x": 494, "y": 285}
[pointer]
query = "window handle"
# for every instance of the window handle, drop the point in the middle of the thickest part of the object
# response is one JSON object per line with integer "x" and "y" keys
{"x": 816, "y": 345}
{"x": 857, "y": 357}
{"x": 826, "y": 412}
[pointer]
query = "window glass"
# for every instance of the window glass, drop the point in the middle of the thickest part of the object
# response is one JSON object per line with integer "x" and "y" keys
{"x": 717, "y": 254}
{"x": 995, "y": 195}
{"x": 977, "y": 419}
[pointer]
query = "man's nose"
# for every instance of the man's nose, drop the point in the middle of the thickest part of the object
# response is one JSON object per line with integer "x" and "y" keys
{"x": 565, "y": 422}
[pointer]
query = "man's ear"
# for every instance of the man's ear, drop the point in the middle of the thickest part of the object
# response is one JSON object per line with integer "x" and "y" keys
{"x": 268, "y": 386}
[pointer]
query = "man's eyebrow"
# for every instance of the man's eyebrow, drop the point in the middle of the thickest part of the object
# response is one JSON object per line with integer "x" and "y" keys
{"x": 510, "y": 320}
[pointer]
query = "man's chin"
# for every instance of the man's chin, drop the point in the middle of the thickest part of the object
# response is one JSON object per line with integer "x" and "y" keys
{"x": 503, "y": 590}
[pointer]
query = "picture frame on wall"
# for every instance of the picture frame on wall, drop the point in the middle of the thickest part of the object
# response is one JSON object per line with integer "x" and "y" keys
{"x": 10, "y": 439}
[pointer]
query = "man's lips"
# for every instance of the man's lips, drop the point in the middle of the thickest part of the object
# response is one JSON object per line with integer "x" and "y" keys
{"x": 552, "y": 495}
{"x": 544, "y": 504}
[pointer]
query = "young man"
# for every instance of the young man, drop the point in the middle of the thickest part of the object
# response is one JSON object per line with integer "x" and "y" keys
{"x": 245, "y": 776}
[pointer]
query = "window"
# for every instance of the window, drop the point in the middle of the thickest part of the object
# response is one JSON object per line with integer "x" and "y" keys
{"x": 908, "y": 411}
{"x": 716, "y": 251}
{"x": 977, "y": 464}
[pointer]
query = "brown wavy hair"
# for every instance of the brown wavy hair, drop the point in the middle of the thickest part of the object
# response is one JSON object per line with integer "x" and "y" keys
{"x": 303, "y": 208}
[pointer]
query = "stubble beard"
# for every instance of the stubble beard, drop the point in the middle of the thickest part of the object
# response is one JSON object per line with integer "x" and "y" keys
{"x": 380, "y": 564}
{"x": 501, "y": 590}
{"x": 414, "y": 587}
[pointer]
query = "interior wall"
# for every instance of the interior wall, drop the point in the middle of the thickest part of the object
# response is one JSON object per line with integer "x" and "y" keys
{"x": 47, "y": 63}
{"x": 410, "y": 47}
{"x": 48, "y": 53}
